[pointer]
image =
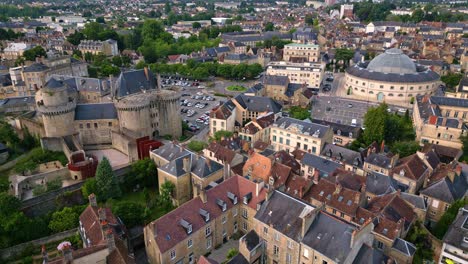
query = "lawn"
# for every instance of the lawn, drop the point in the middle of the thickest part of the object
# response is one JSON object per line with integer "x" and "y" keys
{"x": 236, "y": 88}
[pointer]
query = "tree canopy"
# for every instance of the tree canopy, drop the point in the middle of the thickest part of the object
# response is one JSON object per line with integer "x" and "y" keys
{"x": 63, "y": 220}
{"x": 32, "y": 54}
{"x": 106, "y": 182}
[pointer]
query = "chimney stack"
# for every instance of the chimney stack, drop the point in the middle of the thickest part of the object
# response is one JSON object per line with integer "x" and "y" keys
{"x": 146, "y": 73}
{"x": 203, "y": 196}
{"x": 92, "y": 200}
{"x": 316, "y": 176}
{"x": 258, "y": 187}
{"x": 338, "y": 188}
{"x": 45, "y": 256}
{"x": 102, "y": 214}
{"x": 186, "y": 164}
{"x": 110, "y": 240}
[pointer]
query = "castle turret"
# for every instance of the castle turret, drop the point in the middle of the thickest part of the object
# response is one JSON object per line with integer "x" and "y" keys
{"x": 56, "y": 102}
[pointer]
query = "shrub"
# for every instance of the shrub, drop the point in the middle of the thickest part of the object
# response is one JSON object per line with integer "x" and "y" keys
{"x": 196, "y": 146}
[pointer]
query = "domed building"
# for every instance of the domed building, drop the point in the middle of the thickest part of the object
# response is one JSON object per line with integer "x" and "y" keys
{"x": 391, "y": 77}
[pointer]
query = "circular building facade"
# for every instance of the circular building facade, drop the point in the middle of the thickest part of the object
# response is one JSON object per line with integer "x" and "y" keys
{"x": 391, "y": 77}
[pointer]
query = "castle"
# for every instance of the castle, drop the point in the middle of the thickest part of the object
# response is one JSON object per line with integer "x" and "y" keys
{"x": 137, "y": 109}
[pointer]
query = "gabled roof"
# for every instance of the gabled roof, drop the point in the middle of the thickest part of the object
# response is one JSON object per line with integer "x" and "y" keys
{"x": 330, "y": 236}
{"x": 392, "y": 207}
{"x": 135, "y": 81}
{"x": 283, "y": 213}
{"x": 404, "y": 247}
{"x": 325, "y": 166}
{"x": 204, "y": 167}
{"x": 411, "y": 167}
{"x": 369, "y": 255}
{"x": 380, "y": 184}
{"x": 168, "y": 232}
{"x": 342, "y": 154}
{"x": 447, "y": 191}
{"x": 258, "y": 103}
{"x": 92, "y": 225}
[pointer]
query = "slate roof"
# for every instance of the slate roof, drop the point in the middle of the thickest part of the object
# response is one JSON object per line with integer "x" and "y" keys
{"x": 416, "y": 200}
{"x": 369, "y": 255}
{"x": 342, "y": 154}
{"x": 170, "y": 151}
{"x": 447, "y": 191}
{"x": 238, "y": 259}
{"x": 449, "y": 101}
{"x": 275, "y": 80}
{"x": 282, "y": 213}
{"x": 258, "y": 103}
{"x": 380, "y": 160}
{"x": 176, "y": 167}
{"x": 380, "y": 184}
{"x": 36, "y": 67}
{"x": 340, "y": 129}
{"x": 292, "y": 88}
{"x": 330, "y": 236}
{"x": 251, "y": 239}
{"x": 131, "y": 82}
{"x": 204, "y": 167}
{"x": 307, "y": 128}
{"x": 95, "y": 111}
{"x": 359, "y": 70}
{"x": 325, "y": 166}
{"x": 404, "y": 247}
{"x": 458, "y": 230}
{"x": 167, "y": 228}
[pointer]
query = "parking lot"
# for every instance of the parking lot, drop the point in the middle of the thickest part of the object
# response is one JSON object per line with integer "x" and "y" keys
{"x": 195, "y": 104}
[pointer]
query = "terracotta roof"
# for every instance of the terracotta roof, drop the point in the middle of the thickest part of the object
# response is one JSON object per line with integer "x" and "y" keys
{"x": 335, "y": 196}
{"x": 280, "y": 174}
{"x": 205, "y": 260}
{"x": 388, "y": 228}
{"x": 298, "y": 154}
{"x": 260, "y": 145}
{"x": 411, "y": 167}
{"x": 392, "y": 207}
{"x": 92, "y": 226}
{"x": 258, "y": 166}
{"x": 297, "y": 186}
{"x": 168, "y": 234}
{"x": 221, "y": 153}
{"x": 285, "y": 158}
{"x": 120, "y": 254}
{"x": 221, "y": 112}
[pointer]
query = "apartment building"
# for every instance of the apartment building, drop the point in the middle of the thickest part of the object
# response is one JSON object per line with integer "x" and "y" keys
{"x": 440, "y": 120}
{"x": 310, "y": 74}
{"x": 281, "y": 89}
{"x": 297, "y": 52}
{"x": 258, "y": 129}
{"x": 107, "y": 47}
{"x": 205, "y": 222}
{"x": 290, "y": 134}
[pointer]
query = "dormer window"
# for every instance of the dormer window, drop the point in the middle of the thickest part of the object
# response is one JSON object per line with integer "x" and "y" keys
{"x": 247, "y": 198}
{"x": 185, "y": 224}
{"x": 271, "y": 181}
{"x": 232, "y": 197}
{"x": 205, "y": 214}
{"x": 221, "y": 204}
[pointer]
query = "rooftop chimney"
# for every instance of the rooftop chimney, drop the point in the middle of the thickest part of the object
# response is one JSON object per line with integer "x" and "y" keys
{"x": 338, "y": 188}
{"x": 110, "y": 240}
{"x": 45, "y": 256}
{"x": 203, "y": 196}
{"x": 146, "y": 73}
{"x": 67, "y": 254}
{"x": 258, "y": 187}
{"x": 186, "y": 164}
{"x": 92, "y": 200}
{"x": 102, "y": 214}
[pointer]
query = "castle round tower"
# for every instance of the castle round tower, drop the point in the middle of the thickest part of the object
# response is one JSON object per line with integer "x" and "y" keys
{"x": 56, "y": 103}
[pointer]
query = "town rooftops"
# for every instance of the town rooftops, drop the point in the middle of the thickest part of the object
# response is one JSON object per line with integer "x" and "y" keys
{"x": 325, "y": 166}
{"x": 36, "y": 67}
{"x": 393, "y": 208}
{"x": 411, "y": 167}
{"x": 275, "y": 80}
{"x": 284, "y": 214}
{"x": 344, "y": 155}
{"x": 449, "y": 189}
{"x": 204, "y": 167}
{"x": 380, "y": 184}
{"x": 95, "y": 111}
{"x": 167, "y": 230}
{"x": 379, "y": 159}
{"x": 170, "y": 151}
{"x": 369, "y": 255}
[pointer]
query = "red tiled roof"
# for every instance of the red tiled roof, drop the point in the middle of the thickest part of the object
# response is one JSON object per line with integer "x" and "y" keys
{"x": 392, "y": 207}
{"x": 280, "y": 174}
{"x": 221, "y": 153}
{"x": 259, "y": 166}
{"x": 91, "y": 224}
{"x": 297, "y": 186}
{"x": 260, "y": 145}
{"x": 412, "y": 167}
{"x": 221, "y": 112}
{"x": 169, "y": 232}
{"x": 340, "y": 198}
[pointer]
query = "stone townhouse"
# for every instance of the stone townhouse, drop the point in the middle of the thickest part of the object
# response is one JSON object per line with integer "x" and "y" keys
{"x": 189, "y": 172}
{"x": 447, "y": 185}
{"x": 205, "y": 222}
{"x": 224, "y": 155}
{"x": 281, "y": 89}
{"x": 307, "y": 73}
{"x": 297, "y": 52}
{"x": 290, "y": 134}
{"x": 440, "y": 120}
{"x": 343, "y": 134}
{"x": 106, "y": 47}
{"x": 379, "y": 162}
{"x": 258, "y": 129}
{"x": 239, "y": 110}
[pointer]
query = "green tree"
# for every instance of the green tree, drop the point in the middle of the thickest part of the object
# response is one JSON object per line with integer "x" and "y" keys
{"x": 298, "y": 112}
{"x": 196, "y": 25}
{"x": 35, "y": 52}
{"x": 165, "y": 196}
{"x": 452, "y": 79}
{"x": 418, "y": 15}
{"x": 375, "y": 121}
{"x": 131, "y": 213}
{"x": 269, "y": 26}
{"x": 89, "y": 187}
{"x": 405, "y": 148}
{"x": 92, "y": 30}
{"x": 232, "y": 253}
{"x": 218, "y": 135}
{"x": 196, "y": 146}
{"x": 100, "y": 20}
{"x": 144, "y": 172}
{"x": 151, "y": 29}
{"x": 8, "y": 204}
{"x": 106, "y": 181}
{"x": 63, "y": 220}
{"x": 344, "y": 55}
{"x": 419, "y": 236}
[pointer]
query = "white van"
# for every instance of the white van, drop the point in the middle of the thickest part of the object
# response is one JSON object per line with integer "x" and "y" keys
{"x": 354, "y": 122}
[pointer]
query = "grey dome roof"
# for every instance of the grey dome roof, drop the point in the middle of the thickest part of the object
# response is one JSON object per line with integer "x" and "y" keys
{"x": 392, "y": 61}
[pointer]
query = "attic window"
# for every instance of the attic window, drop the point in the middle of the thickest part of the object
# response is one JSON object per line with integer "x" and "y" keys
{"x": 340, "y": 198}
{"x": 205, "y": 214}
{"x": 186, "y": 225}
{"x": 321, "y": 193}
{"x": 329, "y": 197}
{"x": 247, "y": 198}
{"x": 349, "y": 202}
{"x": 385, "y": 231}
{"x": 361, "y": 221}
{"x": 221, "y": 204}
{"x": 232, "y": 197}
{"x": 168, "y": 237}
